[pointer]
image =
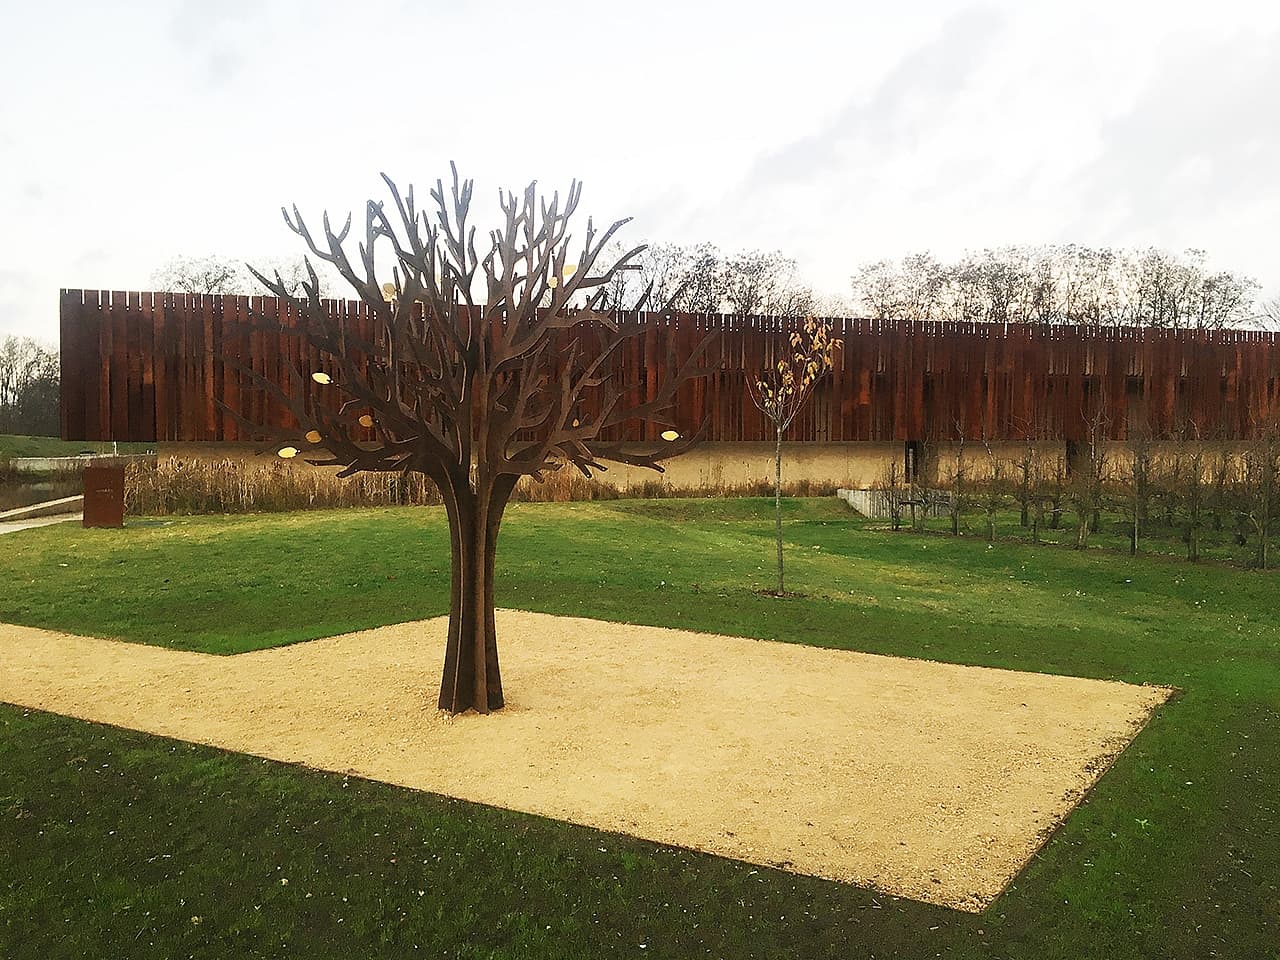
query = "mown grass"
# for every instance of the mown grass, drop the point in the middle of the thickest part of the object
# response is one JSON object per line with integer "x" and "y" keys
{"x": 14, "y": 446}
{"x": 113, "y": 841}
{"x": 1232, "y": 540}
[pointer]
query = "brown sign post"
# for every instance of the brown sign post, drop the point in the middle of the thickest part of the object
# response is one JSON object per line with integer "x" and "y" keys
{"x": 104, "y": 496}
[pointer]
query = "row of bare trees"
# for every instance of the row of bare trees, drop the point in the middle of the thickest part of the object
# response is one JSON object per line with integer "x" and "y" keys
{"x": 29, "y": 378}
{"x": 1032, "y": 284}
{"x": 698, "y": 278}
{"x": 693, "y": 277}
{"x": 1187, "y": 487}
{"x": 1061, "y": 284}
{"x": 226, "y": 276}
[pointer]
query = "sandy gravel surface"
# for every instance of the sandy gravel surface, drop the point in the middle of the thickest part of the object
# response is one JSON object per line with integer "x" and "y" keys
{"x": 926, "y": 780}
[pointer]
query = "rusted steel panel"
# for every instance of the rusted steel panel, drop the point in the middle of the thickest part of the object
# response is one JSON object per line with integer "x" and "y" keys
{"x": 104, "y": 496}
{"x": 70, "y": 359}
{"x": 157, "y": 366}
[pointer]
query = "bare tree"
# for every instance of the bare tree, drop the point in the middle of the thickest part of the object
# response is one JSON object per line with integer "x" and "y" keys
{"x": 228, "y": 277}
{"x": 661, "y": 272}
{"x": 1260, "y": 482}
{"x": 29, "y": 382}
{"x": 957, "y": 480}
{"x": 1024, "y": 471}
{"x": 1189, "y": 490}
{"x": 1040, "y": 497}
{"x": 212, "y": 274}
{"x": 293, "y": 273}
{"x": 1058, "y": 284}
{"x": 781, "y": 391}
{"x": 696, "y": 278}
{"x": 759, "y": 282}
{"x": 701, "y": 280}
{"x": 1056, "y": 483}
{"x": 1167, "y": 290}
{"x": 876, "y": 288}
{"x": 914, "y": 289}
{"x": 925, "y": 472}
{"x": 1268, "y": 313}
{"x": 892, "y": 486}
{"x": 1222, "y": 473}
{"x": 624, "y": 289}
{"x": 1138, "y": 478}
{"x": 1089, "y": 474}
{"x": 993, "y": 488}
{"x": 474, "y": 391}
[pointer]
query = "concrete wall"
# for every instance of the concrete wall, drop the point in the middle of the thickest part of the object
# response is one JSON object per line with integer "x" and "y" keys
{"x": 854, "y": 465}
{"x": 708, "y": 465}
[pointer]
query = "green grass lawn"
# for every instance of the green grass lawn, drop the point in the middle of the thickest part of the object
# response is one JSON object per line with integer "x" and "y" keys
{"x": 113, "y": 842}
{"x": 1159, "y": 537}
{"x": 13, "y": 446}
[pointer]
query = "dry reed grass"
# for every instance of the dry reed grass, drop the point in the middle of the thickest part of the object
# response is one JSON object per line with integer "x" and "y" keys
{"x": 183, "y": 485}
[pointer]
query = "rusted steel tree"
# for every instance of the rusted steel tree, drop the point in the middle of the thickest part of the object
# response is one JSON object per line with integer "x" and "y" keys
{"x": 781, "y": 391}
{"x": 475, "y": 391}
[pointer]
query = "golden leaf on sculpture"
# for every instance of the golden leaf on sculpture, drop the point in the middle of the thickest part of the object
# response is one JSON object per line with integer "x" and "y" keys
{"x": 553, "y": 282}
{"x": 388, "y": 291}
{"x": 321, "y": 377}
{"x": 670, "y": 435}
{"x": 366, "y": 421}
{"x": 313, "y": 436}
{"x": 287, "y": 453}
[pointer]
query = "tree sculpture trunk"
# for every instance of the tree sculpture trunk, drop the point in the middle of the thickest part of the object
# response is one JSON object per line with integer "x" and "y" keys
{"x": 471, "y": 395}
{"x": 471, "y": 678}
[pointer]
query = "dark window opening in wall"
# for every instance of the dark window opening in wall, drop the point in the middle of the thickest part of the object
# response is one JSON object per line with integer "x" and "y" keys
{"x": 1075, "y": 450}
{"x": 913, "y": 463}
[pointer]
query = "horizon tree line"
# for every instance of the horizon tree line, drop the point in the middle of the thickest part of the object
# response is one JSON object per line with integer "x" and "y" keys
{"x": 29, "y": 387}
{"x": 1044, "y": 284}
{"x": 1063, "y": 283}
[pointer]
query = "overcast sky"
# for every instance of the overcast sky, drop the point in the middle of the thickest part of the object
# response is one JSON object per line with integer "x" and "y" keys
{"x": 839, "y": 132}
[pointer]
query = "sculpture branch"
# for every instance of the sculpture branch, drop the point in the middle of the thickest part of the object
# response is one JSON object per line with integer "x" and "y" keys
{"x": 473, "y": 393}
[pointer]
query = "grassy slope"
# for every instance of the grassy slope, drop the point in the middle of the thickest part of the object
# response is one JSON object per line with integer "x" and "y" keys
{"x": 13, "y": 446}
{"x": 1176, "y": 854}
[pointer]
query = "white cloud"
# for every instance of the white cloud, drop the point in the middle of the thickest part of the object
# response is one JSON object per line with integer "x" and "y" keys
{"x": 839, "y": 132}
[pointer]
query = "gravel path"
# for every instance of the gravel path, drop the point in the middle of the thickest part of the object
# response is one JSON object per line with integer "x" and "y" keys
{"x": 927, "y": 780}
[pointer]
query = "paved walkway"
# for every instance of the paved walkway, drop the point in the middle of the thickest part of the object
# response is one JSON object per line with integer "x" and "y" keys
{"x": 17, "y": 525}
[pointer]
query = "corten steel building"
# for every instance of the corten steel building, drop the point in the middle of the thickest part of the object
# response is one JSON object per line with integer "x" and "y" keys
{"x": 154, "y": 367}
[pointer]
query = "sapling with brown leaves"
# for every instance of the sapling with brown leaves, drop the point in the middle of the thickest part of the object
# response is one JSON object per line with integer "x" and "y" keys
{"x": 780, "y": 392}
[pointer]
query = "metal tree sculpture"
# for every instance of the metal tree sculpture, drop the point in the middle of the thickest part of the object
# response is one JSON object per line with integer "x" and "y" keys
{"x": 781, "y": 391}
{"x": 474, "y": 392}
